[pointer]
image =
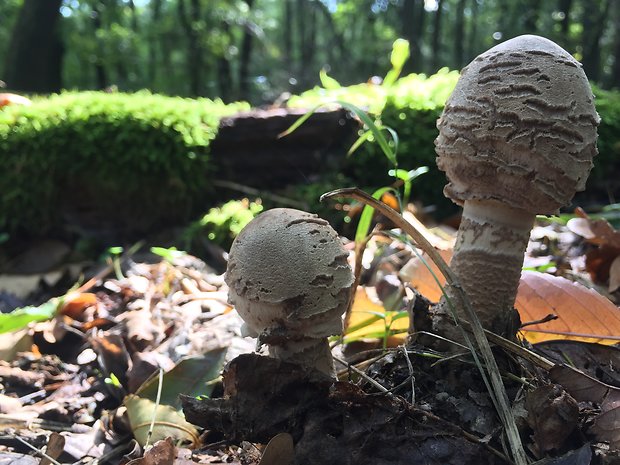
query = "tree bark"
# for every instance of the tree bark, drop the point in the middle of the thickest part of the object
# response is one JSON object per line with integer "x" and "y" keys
{"x": 101, "y": 75}
{"x": 152, "y": 45}
{"x": 436, "y": 39}
{"x": 472, "y": 42}
{"x": 459, "y": 34}
{"x": 244, "y": 57}
{"x": 34, "y": 58}
{"x": 194, "y": 51}
{"x": 593, "y": 26}
{"x": 412, "y": 26}
{"x": 615, "y": 71}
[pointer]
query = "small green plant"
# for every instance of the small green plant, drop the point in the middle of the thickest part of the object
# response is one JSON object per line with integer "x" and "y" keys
{"x": 222, "y": 224}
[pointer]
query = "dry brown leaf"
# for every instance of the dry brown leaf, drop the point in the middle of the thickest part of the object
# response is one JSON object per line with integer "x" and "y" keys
{"x": 422, "y": 279}
{"x": 583, "y": 314}
{"x": 75, "y": 304}
{"x": 584, "y": 388}
{"x": 614, "y": 275}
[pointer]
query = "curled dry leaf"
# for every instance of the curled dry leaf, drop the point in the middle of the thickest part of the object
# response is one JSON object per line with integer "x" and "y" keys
{"x": 587, "y": 389}
{"x": 75, "y": 304}
{"x": 583, "y": 314}
{"x": 602, "y": 262}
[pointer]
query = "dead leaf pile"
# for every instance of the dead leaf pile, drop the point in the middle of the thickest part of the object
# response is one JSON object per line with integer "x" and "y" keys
{"x": 106, "y": 371}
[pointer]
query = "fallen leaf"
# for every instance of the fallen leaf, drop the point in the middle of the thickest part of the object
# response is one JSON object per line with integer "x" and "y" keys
{"x": 584, "y": 388}
{"x": 75, "y": 304}
{"x": 167, "y": 422}
{"x": 162, "y": 453}
{"x": 427, "y": 282}
{"x": 583, "y": 314}
{"x": 368, "y": 319}
{"x": 279, "y": 451}
{"x": 192, "y": 376}
{"x": 614, "y": 275}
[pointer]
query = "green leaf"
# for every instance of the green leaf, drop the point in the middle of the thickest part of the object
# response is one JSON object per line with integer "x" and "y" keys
{"x": 192, "y": 376}
{"x": 376, "y": 131}
{"x": 360, "y": 140}
{"x": 22, "y": 317}
{"x": 166, "y": 421}
{"x": 367, "y": 213}
{"x": 328, "y": 82}
{"x": 398, "y": 57}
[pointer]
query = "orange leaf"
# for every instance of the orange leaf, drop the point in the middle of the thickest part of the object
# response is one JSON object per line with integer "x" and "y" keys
{"x": 13, "y": 99}
{"x": 583, "y": 314}
{"x": 75, "y": 305}
{"x": 366, "y": 308}
{"x": 419, "y": 276}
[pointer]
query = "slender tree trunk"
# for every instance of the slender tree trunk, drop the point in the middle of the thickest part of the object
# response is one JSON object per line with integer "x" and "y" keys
{"x": 287, "y": 31}
{"x": 531, "y": 13}
{"x": 615, "y": 71}
{"x": 101, "y": 75}
{"x": 245, "y": 55}
{"x": 194, "y": 51}
{"x": 436, "y": 39}
{"x": 459, "y": 34}
{"x": 412, "y": 26}
{"x": 593, "y": 26}
{"x": 34, "y": 57}
{"x": 472, "y": 42}
{"x": 152, "y": 44}
{"x": 224, "y": 71}
{"x": 565, "y": 6}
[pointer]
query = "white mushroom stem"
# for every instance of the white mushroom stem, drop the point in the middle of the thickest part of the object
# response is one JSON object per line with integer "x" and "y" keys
{"x": 488, "y": 257}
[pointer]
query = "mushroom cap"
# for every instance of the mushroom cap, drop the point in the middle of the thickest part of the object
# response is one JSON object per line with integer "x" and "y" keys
{"x": 288, "y": 276}
{"x": 519, "y": 128}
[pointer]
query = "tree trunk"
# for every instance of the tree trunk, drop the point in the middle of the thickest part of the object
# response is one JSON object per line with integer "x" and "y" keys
{"x": 34, "y": 58}
{"x": 436, "y": 39}
{"x": 194, "y": 51}
{"x": 472, "y": 42}
{"x": 224, "y": 72}
{"x": 412, "y": 25}
{"x": 101, "y": 75}
{"x": 564, "y": 7}
{"x": 152, "y": 44}
{"x": 593, "y": 26}
{"x": 459, "y": 34}
{"x": 615, "y": 71}
{"x": 244, "y": 57}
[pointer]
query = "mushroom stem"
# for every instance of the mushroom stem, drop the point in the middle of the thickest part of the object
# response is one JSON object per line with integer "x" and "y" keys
{"x": 488, "y": 257}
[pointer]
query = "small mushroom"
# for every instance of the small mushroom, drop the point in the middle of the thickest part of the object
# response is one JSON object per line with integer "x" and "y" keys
{"x": 290, "y": 281}
{"x": 516, "y": 139}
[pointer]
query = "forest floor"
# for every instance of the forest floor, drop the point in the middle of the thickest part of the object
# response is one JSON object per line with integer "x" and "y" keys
{"x": 99, "y": 380}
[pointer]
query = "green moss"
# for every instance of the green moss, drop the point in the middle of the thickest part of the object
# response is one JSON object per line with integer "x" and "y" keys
{"x": 136, "y": 158}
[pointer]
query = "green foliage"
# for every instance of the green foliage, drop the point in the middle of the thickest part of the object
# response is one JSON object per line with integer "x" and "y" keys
{"x": 604, "y": 175}
{"x": 22, "y": 317}
{"x": 222, "y": 224}
{"x": 138, "y": 159}
{"x": 411, "y": 107}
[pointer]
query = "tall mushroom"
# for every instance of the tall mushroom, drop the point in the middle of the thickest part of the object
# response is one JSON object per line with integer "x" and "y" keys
{"x": 290, "y": 281}
{"x": 516, "y": 139}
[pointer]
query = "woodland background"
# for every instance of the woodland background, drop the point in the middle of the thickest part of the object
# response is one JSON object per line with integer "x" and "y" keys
{"x": 254, "y": 50}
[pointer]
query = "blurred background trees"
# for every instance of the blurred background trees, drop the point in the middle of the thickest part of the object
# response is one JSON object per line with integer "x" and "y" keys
{"x": 257, "y": 49}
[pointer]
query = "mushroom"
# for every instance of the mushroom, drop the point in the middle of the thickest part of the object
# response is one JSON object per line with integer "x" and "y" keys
{"x": 290, "y": 282}
{"x": 516, "y": 139}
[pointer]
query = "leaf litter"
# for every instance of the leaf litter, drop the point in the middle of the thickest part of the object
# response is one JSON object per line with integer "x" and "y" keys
{"x": 103, "y": 344}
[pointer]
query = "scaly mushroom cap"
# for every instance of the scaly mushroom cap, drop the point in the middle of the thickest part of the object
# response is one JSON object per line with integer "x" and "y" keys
{"x": 519, "y": 128}
{"x": 288, "y": 276}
